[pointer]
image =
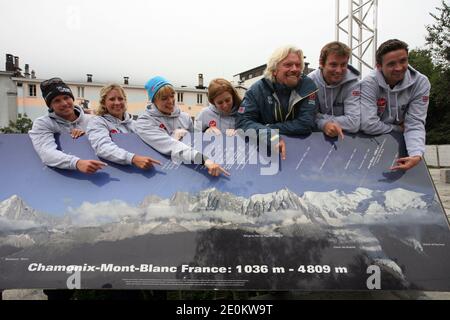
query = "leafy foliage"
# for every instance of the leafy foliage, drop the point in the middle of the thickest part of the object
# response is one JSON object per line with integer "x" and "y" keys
{"x": 438, "y": 38}
{"x": 23, "y": 124}
{"x": 434, "y": 62}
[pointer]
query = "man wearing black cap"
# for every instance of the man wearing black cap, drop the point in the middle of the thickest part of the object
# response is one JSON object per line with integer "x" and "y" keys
{"x": 63, "y": 117}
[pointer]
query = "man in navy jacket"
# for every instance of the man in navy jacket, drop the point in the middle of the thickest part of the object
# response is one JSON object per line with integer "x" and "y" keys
{"x": 283, "y": 102}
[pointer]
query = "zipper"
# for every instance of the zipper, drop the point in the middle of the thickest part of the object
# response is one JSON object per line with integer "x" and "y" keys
{"x": 297, "y": 101}
{"x": 277, "y": 110}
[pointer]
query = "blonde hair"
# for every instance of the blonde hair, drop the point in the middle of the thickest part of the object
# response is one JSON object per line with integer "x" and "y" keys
{"x": 279, "y": 55}
{"x": 101, "y": 109}
{"x": 165, "y": 90}
{"x": 218, "y": 86}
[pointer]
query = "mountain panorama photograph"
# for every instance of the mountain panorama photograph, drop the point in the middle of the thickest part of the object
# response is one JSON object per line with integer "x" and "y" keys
{"x": 347, "y": 231}
{"x": 224, "y": 155}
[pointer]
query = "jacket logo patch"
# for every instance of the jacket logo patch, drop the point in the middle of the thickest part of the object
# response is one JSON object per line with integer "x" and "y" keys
{"x": 269, "y": 100}
{"x": 312, "y": 99}
{"x": 212, "y": 123}
{"x": 241, "y": 110}
{"x": 381, "y": 104}
{"x": 162, "y": 126}
{"x": 356, "y": 93}
{"x": 113, "y": 131}
{"x": 425, "y": 99}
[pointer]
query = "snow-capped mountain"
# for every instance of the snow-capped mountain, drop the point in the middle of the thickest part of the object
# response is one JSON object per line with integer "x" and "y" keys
{"x": 15, "y": 208}
{"x": 338, "y": 216}
{"x": 19, "y": 241}
{"x": 211, "y": 205}
{"x": 256, "y": 205}
{"x": 15, "y": 214}
{"x": 315, "y": 205}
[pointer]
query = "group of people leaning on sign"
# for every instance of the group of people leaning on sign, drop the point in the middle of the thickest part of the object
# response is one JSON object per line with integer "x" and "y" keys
{"x": 393, "y": 97}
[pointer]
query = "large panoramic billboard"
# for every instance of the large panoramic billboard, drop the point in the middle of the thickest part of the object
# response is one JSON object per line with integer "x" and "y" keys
{"x": 332, "y": 216}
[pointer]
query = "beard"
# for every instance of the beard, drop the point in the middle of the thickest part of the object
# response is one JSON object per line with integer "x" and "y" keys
{"x": 292, "y": 81}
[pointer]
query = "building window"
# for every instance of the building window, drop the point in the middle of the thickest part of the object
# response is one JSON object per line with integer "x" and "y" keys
{"x": 199, "y": 99}
{"x": 32, "y": 90}
{"x": 80, "y": 91}
{"x": 250, "y": 76}
{"x": 180, "y": 96}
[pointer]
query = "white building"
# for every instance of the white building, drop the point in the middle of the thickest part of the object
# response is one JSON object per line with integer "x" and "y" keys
{"x": 29, "y": 98}
{"x": 22, "y": 94}
{"x": 8, "y": 98}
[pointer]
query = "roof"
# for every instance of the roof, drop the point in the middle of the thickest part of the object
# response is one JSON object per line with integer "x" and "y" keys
{"x": 99, "y": 84}
{"x": 8, "y": 73}
{"x": 263, "y": 66}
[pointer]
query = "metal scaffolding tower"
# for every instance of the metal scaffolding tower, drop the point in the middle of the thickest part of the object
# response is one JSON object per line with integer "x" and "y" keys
{"x": 359, "y": 21}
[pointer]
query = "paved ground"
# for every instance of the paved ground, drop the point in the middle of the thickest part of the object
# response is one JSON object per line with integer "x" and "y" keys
{"x": 443, "y": 189}
{"x": 444, "y": 193}
{"x": 431, "y": 155}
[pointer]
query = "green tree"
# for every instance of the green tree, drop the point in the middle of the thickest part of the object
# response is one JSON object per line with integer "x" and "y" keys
{"x": 438, "y": 38}
{"x": 23, "y": 124}
{"x": 434, "y": 62}
{"x": 422, "y": 61}
{"x": 438, "y": 42}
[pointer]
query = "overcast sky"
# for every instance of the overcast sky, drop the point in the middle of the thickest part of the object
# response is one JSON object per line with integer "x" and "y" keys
{"x": 179, "y": 39}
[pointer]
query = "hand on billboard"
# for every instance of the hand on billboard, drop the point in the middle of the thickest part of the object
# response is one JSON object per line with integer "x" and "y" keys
{"x": 76, "y": 133}
{"x": 332, "y": 129}
{"x": 178, "y": 134}
{"x": 406, "y": 163}
{"x": 281, "y": 147}
{"x": 213, "y": 130}
{"x": 214, "y": 169}
{"x": 90, "y": 166}
{"x": 144, "y": 163}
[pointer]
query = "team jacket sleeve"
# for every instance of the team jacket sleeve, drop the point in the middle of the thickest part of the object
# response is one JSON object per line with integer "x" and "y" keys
{"x": 200, "y": 123}
{"x": 370, "y": 121}
{"x": 104, "y": 147}
{"x": 249, "y": 113}
{"x": 43, "y": 139}
{"x": 415, "y": 119}
{"x": 162, "y": 142}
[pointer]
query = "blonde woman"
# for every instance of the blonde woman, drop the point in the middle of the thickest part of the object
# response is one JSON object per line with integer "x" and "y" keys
{"x": 111, "y": 118}
{"x": 163, "y": 125}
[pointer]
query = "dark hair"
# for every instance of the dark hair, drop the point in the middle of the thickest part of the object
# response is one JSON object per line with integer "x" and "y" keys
{"x": 336, "y": 47}
{"x": 388, "y": 46}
